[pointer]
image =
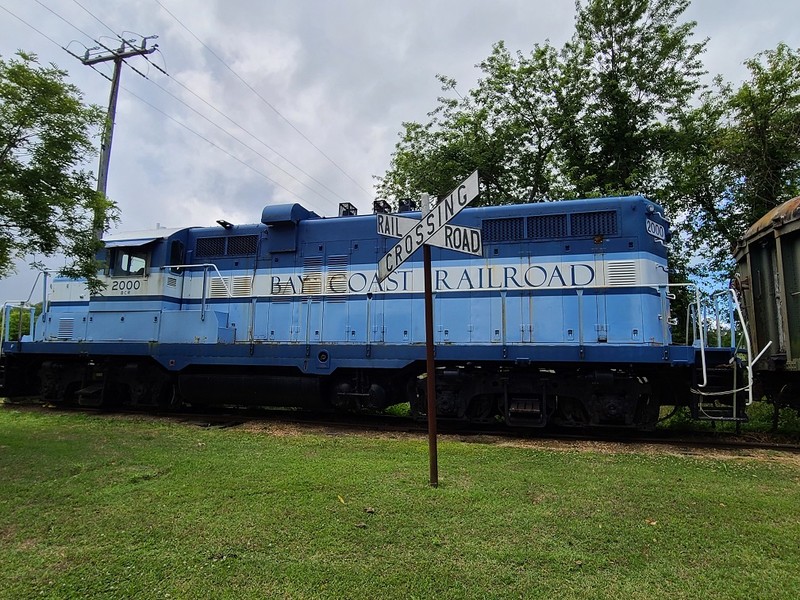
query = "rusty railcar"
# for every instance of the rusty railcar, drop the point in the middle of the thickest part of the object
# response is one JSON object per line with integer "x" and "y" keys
{"x": 768, "y": 273}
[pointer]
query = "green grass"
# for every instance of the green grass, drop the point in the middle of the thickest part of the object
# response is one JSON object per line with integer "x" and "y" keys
{"x": 94, "y": 506}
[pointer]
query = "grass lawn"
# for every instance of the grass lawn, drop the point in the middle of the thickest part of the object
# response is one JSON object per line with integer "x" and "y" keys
{"x": 102, "y": 506}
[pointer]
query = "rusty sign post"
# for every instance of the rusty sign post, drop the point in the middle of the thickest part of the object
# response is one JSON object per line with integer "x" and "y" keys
{"x": 433, "y": 229}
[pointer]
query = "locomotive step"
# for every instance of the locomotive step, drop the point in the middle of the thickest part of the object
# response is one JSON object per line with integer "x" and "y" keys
{"x": 719, "y": 413}
{"x": 527, "y": 411}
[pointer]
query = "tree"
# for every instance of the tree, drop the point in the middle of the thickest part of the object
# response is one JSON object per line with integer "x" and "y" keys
{"x": 736, "y": 156}
{"x": 436, "y": 156}
{"x": 620, "y": 109}
{"x": 47, "y": 202}
{"x": 502, "y": 128}
{"x": 762, "y": 143}
{"x": 627, "y": 73}
{"x": 590, "y": 119}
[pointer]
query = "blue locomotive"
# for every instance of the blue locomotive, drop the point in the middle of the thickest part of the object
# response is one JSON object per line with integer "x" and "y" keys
{"x": 564, "y": 319}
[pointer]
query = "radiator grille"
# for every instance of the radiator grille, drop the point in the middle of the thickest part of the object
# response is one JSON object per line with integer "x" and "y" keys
{"x": 242, "y": 244}
{"x": 210, "y": 246}
{"x": 503, "y": 230}
{"x": 544, "y": 227}
{"x": 236, "y": 245}
{"x": 594, "y": 223}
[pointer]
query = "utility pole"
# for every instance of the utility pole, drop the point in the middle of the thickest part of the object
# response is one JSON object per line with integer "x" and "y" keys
{"x": 126, "y": 50}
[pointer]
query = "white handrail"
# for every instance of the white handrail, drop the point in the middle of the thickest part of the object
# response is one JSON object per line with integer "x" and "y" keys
{"x": 751, "y": 361}
{"x": 5, "y": 329}
{"x": 203, "y": 265}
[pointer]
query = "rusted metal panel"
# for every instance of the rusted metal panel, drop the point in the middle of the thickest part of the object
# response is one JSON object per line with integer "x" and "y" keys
{"x": 768, "y": 259}
{"x": 779, "y": 216}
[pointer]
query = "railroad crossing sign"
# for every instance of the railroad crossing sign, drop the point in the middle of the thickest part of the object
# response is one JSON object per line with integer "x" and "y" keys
{"x": 450, "y": 237}
{"x": 431, "y": 229}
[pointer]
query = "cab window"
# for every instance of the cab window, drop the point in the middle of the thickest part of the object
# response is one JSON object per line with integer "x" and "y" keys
{"x": 129, "y": 263}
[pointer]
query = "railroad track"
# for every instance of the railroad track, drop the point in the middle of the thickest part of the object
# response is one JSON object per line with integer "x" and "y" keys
{"x": 341, "y": 423}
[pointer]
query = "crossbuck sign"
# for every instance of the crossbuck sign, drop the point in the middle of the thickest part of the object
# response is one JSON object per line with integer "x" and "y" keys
{"x": 433, "y": 229}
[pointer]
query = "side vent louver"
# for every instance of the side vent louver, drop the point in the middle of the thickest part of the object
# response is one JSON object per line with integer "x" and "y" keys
{"x": 621, "y": 273}
{"x": 239, "y": 286}
{"x": 337, "y": 274}
{"x": 242, "y": 286}
{"x": 312, "y": 275}
{"x": 66, "y": 327}
{"x": 217, "y": 288}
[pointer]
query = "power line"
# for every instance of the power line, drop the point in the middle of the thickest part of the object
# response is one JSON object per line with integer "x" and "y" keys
{"x": 225, "y": 131}
{"x": 116, "y": 53}
{"x": 20, "y": 19}
{"x": 239, "y": 160}
{"x": 248, "y": 132}
{"x": 50, "y": 10}
{"x": 228, "y": 133}
{"x": 264, "y": 100}
{"x": 96, "y": 18}
{"x": 220, "y": 148}
{"x": 199, "y": 97}
{"x": 32, "y": 27}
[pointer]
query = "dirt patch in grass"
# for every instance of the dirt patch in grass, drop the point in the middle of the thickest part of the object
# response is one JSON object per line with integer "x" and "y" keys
{"x": 597, "y": 447}
{"x": 283, "y": 429}
{"x": 788, "y": 458}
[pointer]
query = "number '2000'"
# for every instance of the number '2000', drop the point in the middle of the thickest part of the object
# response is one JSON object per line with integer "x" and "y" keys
{"x": 126, "y": 286}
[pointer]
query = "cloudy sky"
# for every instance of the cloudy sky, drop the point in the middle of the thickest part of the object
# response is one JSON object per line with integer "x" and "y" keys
{"x": 308, "y": 96}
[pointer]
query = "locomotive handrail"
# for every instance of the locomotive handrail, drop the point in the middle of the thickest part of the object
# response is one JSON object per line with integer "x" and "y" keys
{"x": 24, "y": 305}
{"x": 46, "y": 273}
{"x": 748, "y": 348}
{"x": 205, "y": 267}
{"x": 750, "y": 360}
{"x": 662, "y": 289}
{"x": 5, "y": 325}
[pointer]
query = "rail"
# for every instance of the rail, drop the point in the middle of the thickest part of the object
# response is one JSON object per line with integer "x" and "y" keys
{"x": 204, "y": 297}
